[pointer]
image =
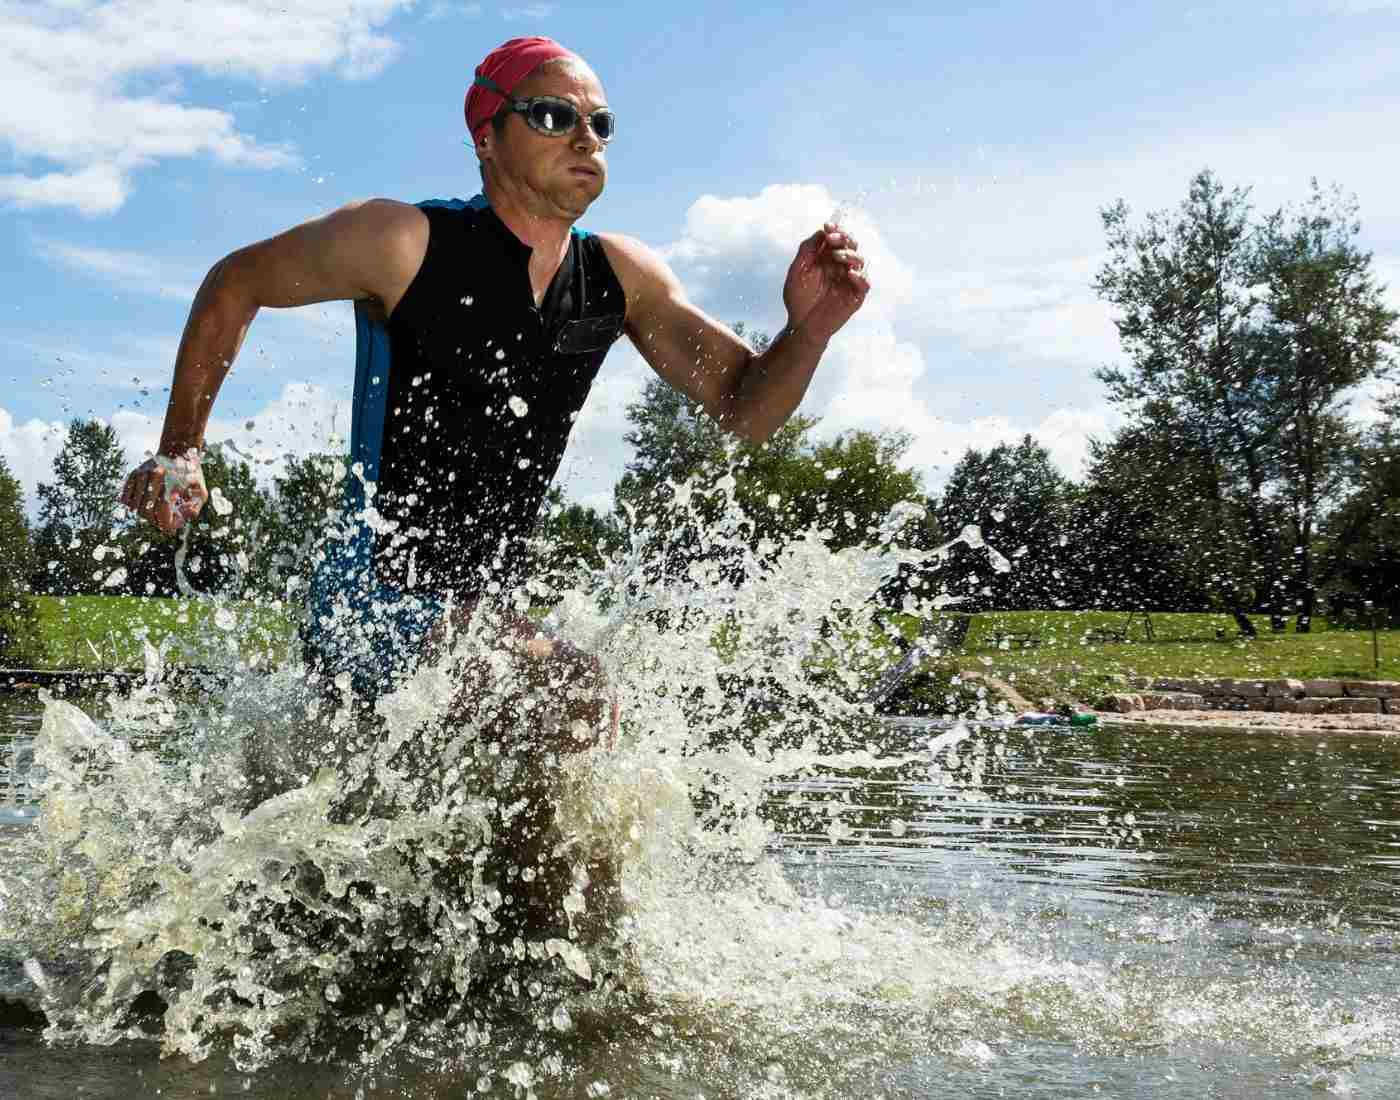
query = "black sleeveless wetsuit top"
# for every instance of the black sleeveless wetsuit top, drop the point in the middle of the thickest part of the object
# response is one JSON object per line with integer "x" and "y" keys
{"x": 466, "y": 396}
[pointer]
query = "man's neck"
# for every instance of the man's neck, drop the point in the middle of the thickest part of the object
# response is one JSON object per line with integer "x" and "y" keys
{"x": 546, "y": 237}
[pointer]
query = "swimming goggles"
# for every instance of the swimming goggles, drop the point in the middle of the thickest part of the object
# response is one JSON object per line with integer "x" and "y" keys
{"x": 554, "y": 116}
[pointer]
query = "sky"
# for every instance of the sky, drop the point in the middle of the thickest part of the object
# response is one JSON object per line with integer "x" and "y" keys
{"x": 969, "y": 147}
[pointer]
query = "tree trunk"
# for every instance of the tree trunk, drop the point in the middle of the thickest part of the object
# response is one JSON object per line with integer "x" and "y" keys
{"x": 1308, "y": 589}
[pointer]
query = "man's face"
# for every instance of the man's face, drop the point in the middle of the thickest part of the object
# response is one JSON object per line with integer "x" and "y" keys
{"x": 560, "y": 175}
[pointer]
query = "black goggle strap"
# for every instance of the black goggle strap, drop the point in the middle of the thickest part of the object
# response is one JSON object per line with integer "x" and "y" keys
{"x": 491, "y": 86}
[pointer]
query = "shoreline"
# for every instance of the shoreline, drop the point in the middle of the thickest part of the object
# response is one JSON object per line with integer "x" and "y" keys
{"x": 1384, "y": 725}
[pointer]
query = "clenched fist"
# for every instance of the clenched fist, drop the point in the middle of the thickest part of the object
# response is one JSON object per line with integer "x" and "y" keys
{"x": 168, "y": 490}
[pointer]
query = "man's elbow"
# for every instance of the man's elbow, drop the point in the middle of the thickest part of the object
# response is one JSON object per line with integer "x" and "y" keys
{"x": 231, "y": 284}
{"x": 749, "y": 427}
{"x": 743, "y": 415}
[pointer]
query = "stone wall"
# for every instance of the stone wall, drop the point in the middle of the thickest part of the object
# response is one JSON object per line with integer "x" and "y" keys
{"x": 1280, "y": 696}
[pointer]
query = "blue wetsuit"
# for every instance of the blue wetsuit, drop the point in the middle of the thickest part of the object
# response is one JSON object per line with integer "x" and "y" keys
{"x": 464, "y": 400}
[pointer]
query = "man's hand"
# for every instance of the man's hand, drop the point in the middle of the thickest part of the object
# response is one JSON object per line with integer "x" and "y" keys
{"x": 168, "y": 490}
{"x": 826, "y": 284}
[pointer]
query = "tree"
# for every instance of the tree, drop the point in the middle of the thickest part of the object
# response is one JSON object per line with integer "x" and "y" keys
{"x": 569, "y": 538}
{"x": 1020, "y": 501}
{"x": 1328, "y": 330}
{"x": 672, "y": 440}
{"x": 1362, "y": 535}
{"x": 1182, "y": 286}
{"x": 785, "y": 485}
{"x": 1135, "y": 525}
{"x": 226, "y": 540}
{"x": 78, "y": 510}
{"x": 19, "y": 634}
{"x": 307, "y": 498}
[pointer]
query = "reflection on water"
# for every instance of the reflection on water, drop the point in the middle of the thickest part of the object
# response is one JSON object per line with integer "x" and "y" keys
{"x": 1134, "y": 911}
{"x": 1291, "y": 827}
{"x": 19, "y": 722}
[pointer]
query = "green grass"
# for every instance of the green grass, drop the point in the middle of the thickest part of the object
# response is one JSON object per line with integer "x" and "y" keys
{"x": 106, "y": 631}
{"x": 1068, "y": 667}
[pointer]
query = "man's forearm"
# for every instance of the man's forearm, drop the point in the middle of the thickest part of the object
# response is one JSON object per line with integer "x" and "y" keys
{"x": 218, "y": 321}
{"x": 772, "y": 384}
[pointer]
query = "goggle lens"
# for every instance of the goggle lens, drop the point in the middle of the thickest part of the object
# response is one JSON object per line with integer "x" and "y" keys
{"x": 558, "y": 117}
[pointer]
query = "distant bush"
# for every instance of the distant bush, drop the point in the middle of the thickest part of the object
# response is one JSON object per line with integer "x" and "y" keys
{"x": 20, "y": 640}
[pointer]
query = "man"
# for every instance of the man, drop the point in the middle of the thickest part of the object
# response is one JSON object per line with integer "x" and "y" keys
{"x": 481, "y": 327}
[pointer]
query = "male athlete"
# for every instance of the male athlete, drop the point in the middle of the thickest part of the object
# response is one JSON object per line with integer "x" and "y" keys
{"x": 481, "y": 326}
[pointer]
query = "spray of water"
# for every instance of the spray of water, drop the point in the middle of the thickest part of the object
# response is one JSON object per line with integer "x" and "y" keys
{"x": 282, "y": 866}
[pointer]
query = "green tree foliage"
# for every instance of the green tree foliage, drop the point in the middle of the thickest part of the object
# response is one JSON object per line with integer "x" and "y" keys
{"x": 1362, "y": 536}
{"x": 672, "y": 441}
{"x": 225, "y": 546}
{"x": 1328, "y": 330}
{"x": 1244, "y": 339}
{"x": 788, "y": 484}
{"x": 1020, "y": 502}
{"x": 569, "y": 539}
{"x": 78, "y": 509}
{"x": 19, "y": 634}
{"x": 1135, "y": 526}
{"x": 307, "y": 499}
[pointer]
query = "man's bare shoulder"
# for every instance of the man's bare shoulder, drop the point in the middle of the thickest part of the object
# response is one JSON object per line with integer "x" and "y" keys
{"x": 640, "y": 268}
{"x": 383, "y": 241}
{"x": 390, "y": 223}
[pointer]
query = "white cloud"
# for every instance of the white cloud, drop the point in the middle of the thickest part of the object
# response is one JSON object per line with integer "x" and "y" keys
{"x": 303, "y": 419}
{"x": 444, "y": 9}
{"x": 1042, "y": 312}
{"x": 734, "y": 252}
{"x": 132, "y": 270}
{"x": 29, "y": 449}
{"x": 529, "y": 11}
{"x": 70, "y": 71}
{"x": 732, "y": 256}
{"x": 597, "y": 454}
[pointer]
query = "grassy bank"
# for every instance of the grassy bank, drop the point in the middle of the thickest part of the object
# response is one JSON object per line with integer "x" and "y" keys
{"x": 107, "y": 631}
{"x": 1069, "y": 664}
{"x": 1072, "y": 664}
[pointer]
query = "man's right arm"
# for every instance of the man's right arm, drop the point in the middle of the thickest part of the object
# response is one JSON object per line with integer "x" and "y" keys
{"x": 365, "y": 250}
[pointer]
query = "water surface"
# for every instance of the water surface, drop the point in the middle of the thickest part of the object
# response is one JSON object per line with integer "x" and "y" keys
{"x": 1125, "y": 911}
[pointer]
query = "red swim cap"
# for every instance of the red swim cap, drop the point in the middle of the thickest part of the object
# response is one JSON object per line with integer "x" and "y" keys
{"x": 508, "y": 64}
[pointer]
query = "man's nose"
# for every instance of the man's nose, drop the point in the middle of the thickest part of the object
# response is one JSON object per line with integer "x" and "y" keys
{"x": 585, "y": 140}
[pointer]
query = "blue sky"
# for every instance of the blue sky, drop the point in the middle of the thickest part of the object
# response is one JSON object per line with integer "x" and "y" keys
{"x": 140, "y": 140}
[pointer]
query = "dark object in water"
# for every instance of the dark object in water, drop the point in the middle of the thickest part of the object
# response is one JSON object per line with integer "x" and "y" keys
{"x": 891, "y": 679}
{"x": 1040, "y": 718}
{"x": 20, "y": 1016}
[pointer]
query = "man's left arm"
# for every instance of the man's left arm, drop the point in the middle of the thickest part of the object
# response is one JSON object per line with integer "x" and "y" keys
{"x": 750, "y": 394}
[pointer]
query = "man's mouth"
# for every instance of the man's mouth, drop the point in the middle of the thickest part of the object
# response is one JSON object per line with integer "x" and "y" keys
{"x": 585, "y": 170}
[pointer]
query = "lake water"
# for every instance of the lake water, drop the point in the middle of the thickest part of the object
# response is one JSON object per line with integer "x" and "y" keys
{"x": 1141, "y": 912}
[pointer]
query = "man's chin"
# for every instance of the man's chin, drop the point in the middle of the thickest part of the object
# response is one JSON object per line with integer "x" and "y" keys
{"x": 577, "y": 199}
